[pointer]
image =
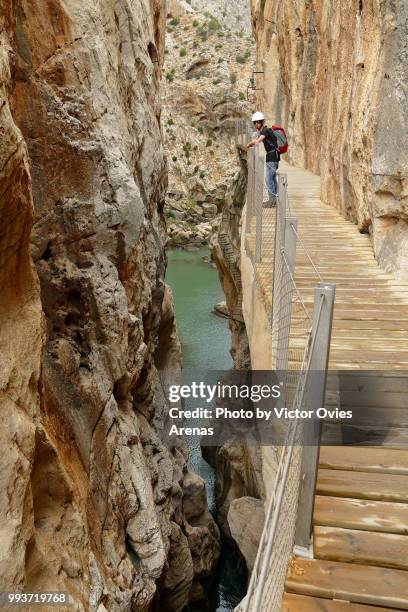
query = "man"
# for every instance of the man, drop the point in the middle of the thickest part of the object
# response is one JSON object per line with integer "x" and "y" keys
{"x": 267, "y": 136}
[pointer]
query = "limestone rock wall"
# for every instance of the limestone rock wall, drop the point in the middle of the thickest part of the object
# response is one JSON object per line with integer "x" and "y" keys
{"x": 225, "y": 245}
{"x": 207, "y": 68}
{"x": 236, "y": 15}
{"x": 91, "y": 502}
{"x": 336, "y": 74}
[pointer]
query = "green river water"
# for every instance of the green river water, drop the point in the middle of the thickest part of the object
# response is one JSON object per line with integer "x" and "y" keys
{"x": 205, "y": 342}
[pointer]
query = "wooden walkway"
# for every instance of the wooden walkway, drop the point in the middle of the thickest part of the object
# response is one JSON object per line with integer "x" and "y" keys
{"x": 360, "y": 540}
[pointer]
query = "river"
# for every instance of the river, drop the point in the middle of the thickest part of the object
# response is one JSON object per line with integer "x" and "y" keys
{"x": 205, "y": 342}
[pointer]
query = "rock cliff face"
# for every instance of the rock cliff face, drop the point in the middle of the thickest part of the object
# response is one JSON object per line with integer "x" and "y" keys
{"x": 207, "y": 69}
{"x": 92, "y": 502}
{"x": 235, "y": 15}
{"x": 336, "y": 74}
{"x": 226, "y": 253}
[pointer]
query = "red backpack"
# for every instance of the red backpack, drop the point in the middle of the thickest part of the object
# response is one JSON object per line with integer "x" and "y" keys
{"x": 282, "y": 139}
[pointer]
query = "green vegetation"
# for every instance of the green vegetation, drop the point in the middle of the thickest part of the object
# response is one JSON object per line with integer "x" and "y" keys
{"x": 241, "y": 59}
{"x": 195, "y": 23}
{"x": 241, "y": 95}
{"x": 214, "y": 25}
{"x": 202, "y": 32}
{"x": 175, "y": 21}
{"x": 170, "y": 75}
{"x": 170, "y": 121}
{"x": 183, "y": 52}
{"x": 200, "y": 129}
{"x": 233, "y": 78}
{"x": 174, "y": 158}
{"x": 208, "y": 143}
{"x": 187, "y": 149}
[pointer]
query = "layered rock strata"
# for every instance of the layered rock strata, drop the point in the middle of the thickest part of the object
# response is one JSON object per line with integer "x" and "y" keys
{"x": 335, "y": 75}
{"x": 92, "y": 501}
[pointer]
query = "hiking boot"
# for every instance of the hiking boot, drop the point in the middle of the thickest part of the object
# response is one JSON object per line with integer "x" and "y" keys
{"x": 271, "y": 203}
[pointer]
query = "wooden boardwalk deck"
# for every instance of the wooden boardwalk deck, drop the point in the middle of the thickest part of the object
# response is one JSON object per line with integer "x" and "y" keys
{"x": 360, "y": 540}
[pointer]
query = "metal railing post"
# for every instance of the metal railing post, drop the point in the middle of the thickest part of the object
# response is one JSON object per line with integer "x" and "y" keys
{"x": 314, "y": 398}
{"x": 284, "y": 310}
{"x": 279, "y": 236}
{"x": 284, "y": 264}
{"x": 258, "y": 197}
{"x": 284, "y": 314}
{"x": 250, "y": 188}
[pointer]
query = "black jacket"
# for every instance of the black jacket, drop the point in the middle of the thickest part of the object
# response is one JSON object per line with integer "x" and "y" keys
{"x": 270, "y": 144}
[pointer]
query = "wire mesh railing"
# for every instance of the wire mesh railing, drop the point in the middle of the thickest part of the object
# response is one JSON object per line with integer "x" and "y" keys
{"x": 289, "y": 523}
{"x": 267, "y": 582}
{"x": 299, "y": 306}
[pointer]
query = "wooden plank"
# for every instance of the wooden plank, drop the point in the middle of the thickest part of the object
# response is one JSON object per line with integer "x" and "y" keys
{"x": 389, "y": 437}
{"x": 377, "y": 586}
{"x": 363, "y": 459}
{"x": 364, "y": 547}
{"x": 351, "y": 324}
{"x": 376, "y": 358}
{"x": 361, "y": 514}
{"x": 354, "y": 344}
{"x": 362, "y": 485}
{"x": 303, "y": 603}
{"x": 364, "y": 381}
{"x": 377, "y": 418}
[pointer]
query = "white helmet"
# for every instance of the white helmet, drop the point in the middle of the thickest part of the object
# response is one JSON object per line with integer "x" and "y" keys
{"x": 258, "y": 117}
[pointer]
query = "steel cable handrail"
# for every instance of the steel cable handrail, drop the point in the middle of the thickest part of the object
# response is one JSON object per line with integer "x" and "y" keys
{"x": 306, "y": 252}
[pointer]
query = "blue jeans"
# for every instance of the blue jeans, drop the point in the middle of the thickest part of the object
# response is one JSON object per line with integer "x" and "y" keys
{"x": 271, "y": 169}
